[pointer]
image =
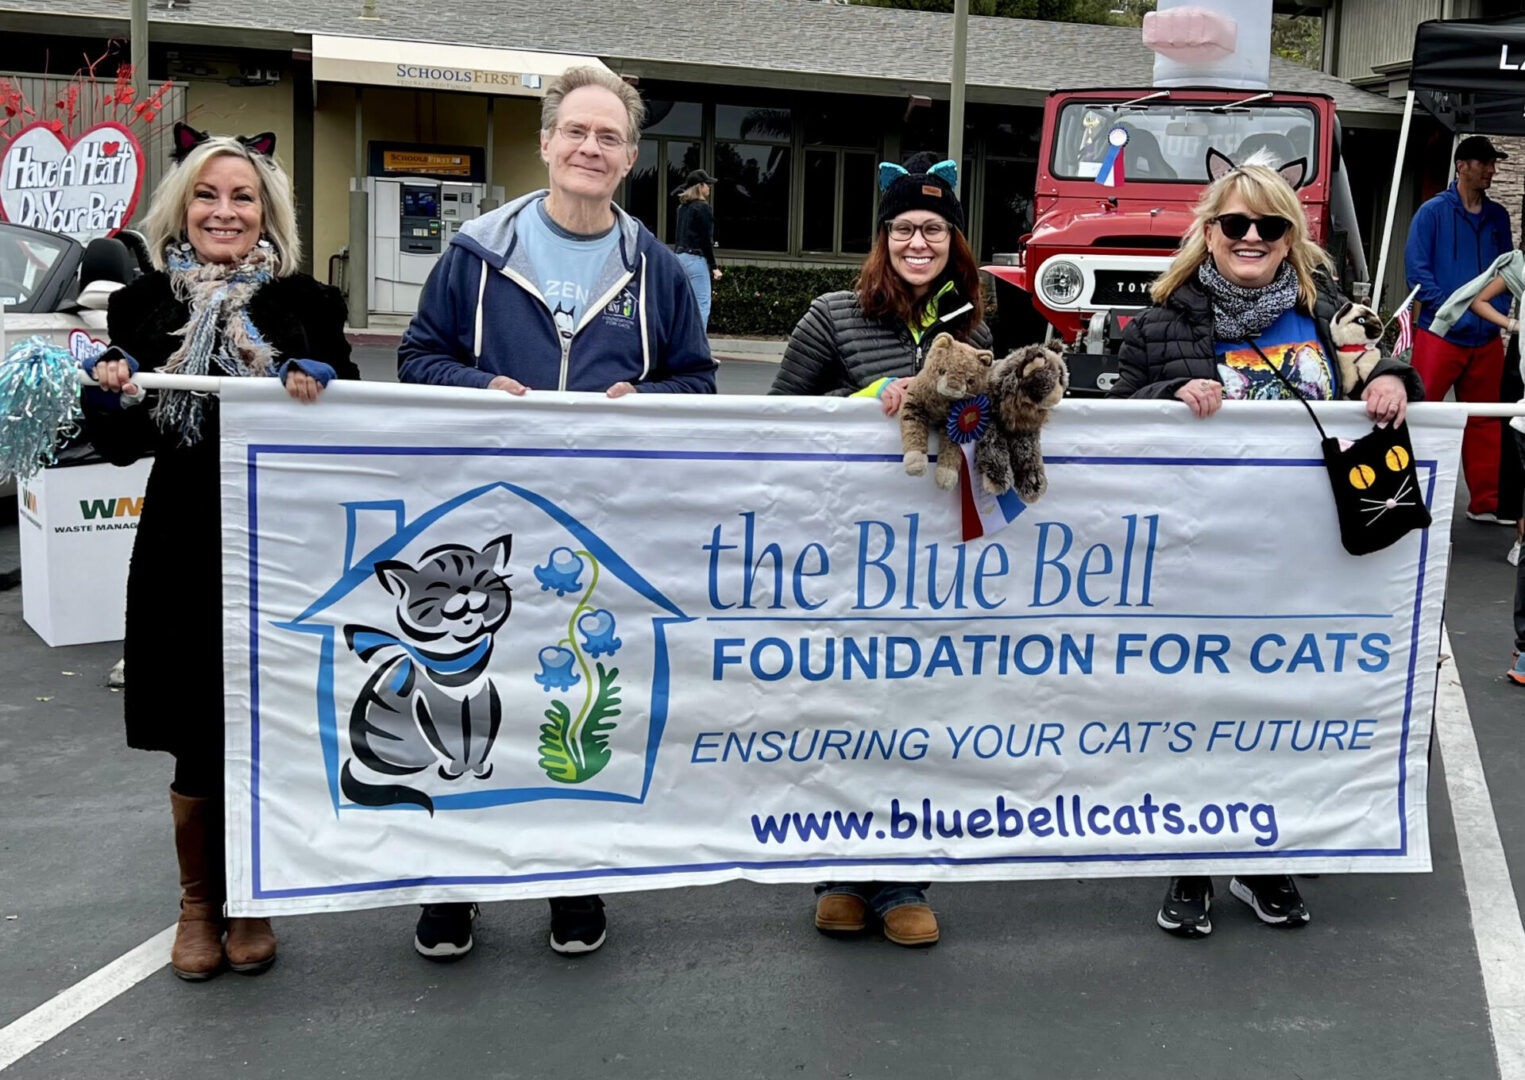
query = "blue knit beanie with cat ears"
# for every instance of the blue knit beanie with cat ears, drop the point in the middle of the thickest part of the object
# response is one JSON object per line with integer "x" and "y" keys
{"x": 922, "y": 183}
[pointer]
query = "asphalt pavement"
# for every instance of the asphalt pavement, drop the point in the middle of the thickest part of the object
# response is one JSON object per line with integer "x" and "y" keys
{"x": 1052, "y": 979}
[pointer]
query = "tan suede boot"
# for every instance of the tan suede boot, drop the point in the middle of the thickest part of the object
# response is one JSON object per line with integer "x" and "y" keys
{"x": 197, "y": 953}
{"x": 912, "y": 925}
{"x": 250, "y": 947}
{"x": 840, "y": 913}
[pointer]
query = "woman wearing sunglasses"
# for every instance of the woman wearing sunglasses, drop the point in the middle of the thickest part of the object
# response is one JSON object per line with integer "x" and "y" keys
{"x": 1246, "y": 272}
{"x": 919, "y": 280}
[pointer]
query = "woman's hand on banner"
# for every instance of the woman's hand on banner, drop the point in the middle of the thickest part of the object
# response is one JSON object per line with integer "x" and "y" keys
{"x": 893, "y": 396}
{"x": 302, "y": 387}
{"x": 1386, "y": 399}
{"x": 620, "y": 389}
{"x": 503, "y": 382}
{"x": 1203, "y": 396}
{"x": 115, "y": 375}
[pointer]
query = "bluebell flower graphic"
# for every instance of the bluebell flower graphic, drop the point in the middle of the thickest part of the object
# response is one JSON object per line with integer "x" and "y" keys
{"x": 556, "y": 668}
{"x": 598, "y": 633}
{"x": 560, "y": 572}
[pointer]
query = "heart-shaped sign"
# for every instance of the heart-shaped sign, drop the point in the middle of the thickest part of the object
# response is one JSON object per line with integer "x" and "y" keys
{"x": 84, "y": 188}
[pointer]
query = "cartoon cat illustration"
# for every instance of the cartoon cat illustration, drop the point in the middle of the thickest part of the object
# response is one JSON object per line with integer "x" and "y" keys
{"x": 429, "y": 701}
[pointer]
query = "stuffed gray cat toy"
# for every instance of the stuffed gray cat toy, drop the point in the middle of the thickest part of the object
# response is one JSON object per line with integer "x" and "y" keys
{"x": 1025, "y": 386}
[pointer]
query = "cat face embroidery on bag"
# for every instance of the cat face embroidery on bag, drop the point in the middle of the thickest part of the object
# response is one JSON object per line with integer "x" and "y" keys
{"x": 1390, "y": 481}
{"x": 429, "y": 701}
{"x": 1376, "y": 489}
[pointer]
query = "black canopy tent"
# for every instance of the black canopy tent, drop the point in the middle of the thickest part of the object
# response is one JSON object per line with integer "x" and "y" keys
{"x": 1469, "y": 75}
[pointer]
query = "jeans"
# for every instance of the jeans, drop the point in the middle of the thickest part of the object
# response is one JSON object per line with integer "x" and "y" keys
{"x": 880, "y": 896}
{"x": 698, "y": 272}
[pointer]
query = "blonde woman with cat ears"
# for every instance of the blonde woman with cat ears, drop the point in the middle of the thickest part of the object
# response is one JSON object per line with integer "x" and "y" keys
{"x": 1248, "y": 290}
{"x": 225, "y": 298}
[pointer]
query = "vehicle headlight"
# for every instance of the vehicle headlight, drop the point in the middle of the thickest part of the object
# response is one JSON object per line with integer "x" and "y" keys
{"x": 1061, "y": 281}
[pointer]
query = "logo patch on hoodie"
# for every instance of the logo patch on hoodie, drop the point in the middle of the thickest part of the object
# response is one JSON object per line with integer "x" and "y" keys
{"x": 621, "y": 310}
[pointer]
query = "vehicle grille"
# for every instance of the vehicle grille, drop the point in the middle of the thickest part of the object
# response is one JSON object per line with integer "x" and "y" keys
{"x": 1125, "y": 288}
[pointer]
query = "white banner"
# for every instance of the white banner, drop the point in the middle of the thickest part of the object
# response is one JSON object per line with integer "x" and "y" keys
{"x": 481, "y": 648}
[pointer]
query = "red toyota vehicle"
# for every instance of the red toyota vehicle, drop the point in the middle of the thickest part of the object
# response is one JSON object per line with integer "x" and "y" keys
{"x": 1106, "y": 224}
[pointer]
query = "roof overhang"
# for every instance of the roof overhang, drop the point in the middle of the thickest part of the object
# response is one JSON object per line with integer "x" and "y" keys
{"x": 429, "y": 66}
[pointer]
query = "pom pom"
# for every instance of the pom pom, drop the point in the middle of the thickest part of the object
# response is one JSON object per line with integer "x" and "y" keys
{"x": 39, "y": 401}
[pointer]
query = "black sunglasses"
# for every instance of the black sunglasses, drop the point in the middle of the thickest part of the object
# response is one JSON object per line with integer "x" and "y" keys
{"x": 1270, "y": 228}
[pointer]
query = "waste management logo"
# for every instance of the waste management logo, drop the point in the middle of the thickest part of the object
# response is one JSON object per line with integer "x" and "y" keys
{"x": 460, "y": 665}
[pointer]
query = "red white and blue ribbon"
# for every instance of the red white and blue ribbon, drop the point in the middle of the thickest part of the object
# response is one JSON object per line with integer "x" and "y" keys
{"x": 1111, "y": 174}
{"x": 983, "y": 513}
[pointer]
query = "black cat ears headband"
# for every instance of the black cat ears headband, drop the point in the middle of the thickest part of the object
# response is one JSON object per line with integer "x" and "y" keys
{"x": 188, "y": 138}
{"x": 1220, "y": 165}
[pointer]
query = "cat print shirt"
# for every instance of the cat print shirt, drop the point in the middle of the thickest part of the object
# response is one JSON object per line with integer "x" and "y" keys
{"x": 1292, "y": 343}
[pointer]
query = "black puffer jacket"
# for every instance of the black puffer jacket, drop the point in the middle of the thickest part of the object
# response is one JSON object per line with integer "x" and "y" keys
{"x": 1173, "y": 343}
{"x": 837, "y": 350}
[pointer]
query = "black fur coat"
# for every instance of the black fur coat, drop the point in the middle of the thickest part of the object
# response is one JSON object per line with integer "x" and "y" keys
{"x": 173, "y": 645}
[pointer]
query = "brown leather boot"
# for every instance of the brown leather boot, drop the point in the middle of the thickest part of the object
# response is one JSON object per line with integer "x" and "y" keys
{"x": 840, "y": 913}
{"x": 911, "y": 924}
{"x": 250, "y": 947}
{"x": 197, "y": 953}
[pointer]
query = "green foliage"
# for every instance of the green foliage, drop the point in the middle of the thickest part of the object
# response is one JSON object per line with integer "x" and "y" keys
{"x": 750, "y": 301}
{"x": 592, "y": 742}
{"x": 1299, "y": 39}
{"x": 555, "y": 758}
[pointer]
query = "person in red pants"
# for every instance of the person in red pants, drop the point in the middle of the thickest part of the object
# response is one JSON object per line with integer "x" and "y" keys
{"x": 1455, "y": 237}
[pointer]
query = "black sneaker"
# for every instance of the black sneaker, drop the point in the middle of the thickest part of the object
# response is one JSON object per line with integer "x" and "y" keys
{"x": 1187, "y": 902}
{"x": 1274, "y": 899}
{"x": 444, "y": 931}
{"x": 577, "y": 924}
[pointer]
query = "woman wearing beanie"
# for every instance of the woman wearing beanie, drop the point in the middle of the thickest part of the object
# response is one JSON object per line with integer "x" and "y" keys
{"x": 695, "y": 245}
{"x": 919, "y": 280}
{"x": 1248, "y": 288}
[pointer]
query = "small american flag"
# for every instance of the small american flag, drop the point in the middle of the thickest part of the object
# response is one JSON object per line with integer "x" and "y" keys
{"x": 1405, "y": 317}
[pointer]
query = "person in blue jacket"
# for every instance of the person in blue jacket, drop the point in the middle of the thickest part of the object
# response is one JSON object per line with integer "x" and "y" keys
{"x": 1454, "y": 237}
{"x": 559, "y": 290}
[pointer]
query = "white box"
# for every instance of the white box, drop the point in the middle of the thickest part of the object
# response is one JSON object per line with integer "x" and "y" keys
{"x": 77, "y": 527}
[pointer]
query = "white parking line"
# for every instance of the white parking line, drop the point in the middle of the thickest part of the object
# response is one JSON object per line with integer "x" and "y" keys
{"x": 20, "y": 1037}
{"x": 1490, "y": 892}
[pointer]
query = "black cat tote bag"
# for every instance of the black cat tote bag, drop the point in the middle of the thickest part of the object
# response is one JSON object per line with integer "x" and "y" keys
{"x": 1376, "y": 487}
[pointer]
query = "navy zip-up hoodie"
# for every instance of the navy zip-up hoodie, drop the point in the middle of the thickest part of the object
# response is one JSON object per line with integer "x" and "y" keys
{"x": 1448, "y": 247}
{"x": 481, "y": 315}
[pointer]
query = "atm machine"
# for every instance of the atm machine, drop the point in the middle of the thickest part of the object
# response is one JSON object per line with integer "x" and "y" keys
{"x": 412, "y": 221}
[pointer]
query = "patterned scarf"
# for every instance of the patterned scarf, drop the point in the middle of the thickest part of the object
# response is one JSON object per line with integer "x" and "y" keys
{"x": 1240, "y": 313}
{"x": 219, "y": 332}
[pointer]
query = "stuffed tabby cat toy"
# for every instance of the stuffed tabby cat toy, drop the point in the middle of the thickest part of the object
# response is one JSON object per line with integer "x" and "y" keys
{"x": 1024, "y": 387}
{"x": 954, "y": 374}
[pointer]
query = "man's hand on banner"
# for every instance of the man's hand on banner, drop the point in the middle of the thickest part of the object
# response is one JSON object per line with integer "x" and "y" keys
{"x": 503, "y": 382}
{"x": 1203, "y": 396}
{"x": 1386, "y": 399}
{"x": 620, "y": 389}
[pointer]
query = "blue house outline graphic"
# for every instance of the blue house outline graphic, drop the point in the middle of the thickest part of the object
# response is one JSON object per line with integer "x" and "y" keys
{"x": 359, "y": 572}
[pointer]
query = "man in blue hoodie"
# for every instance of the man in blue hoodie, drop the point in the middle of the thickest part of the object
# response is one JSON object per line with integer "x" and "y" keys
{"x": 559, "y": 290}
{"x": 1455, "y": 237}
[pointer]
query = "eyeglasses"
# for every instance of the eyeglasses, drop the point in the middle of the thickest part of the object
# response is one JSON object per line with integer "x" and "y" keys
{"x": 931, "y": 231}
{"x": 576, "y": 134}
{"x": 1270, "y": 228}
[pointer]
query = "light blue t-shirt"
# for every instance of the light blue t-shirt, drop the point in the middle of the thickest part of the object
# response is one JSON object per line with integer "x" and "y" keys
{"x": 566, "y": 264}
{"x": 1292, "y": 343}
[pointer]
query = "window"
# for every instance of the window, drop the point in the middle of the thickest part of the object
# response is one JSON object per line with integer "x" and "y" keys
{"x": 1004, "y": 208}
{"x": 838, "y": 201}
{"x": 753, "y": 164}
{"x": 1169, "y": 142}
{"x": 671, "y": 146}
